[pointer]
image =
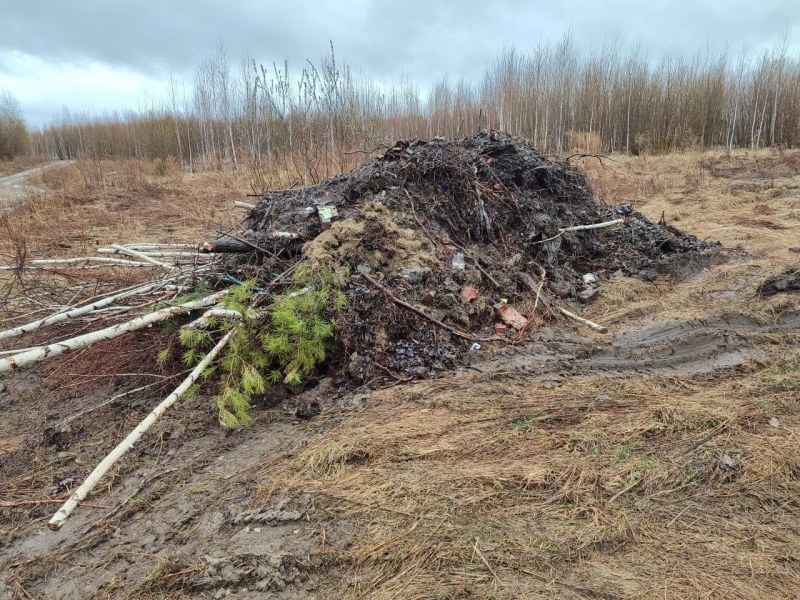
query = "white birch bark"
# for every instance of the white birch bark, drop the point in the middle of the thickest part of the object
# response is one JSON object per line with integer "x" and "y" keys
{"x": 75, "y": 312}
{"x": 142, "y": 256}
{"x": 23, "y": 359}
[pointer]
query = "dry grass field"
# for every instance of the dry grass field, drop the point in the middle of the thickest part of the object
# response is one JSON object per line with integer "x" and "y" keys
{"x": 644, "y": 479}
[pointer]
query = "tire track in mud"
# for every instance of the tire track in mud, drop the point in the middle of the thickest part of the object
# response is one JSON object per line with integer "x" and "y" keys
{"x": 675, "y": 346}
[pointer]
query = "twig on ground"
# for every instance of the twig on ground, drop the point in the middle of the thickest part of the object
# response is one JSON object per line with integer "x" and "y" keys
{"x": 586, "y": 322}
{"x": 581, "y": 228}
{"x": 144, "y": 257}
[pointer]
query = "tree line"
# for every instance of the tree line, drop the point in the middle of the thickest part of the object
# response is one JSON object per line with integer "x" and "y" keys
{"x": 315, "y": 121}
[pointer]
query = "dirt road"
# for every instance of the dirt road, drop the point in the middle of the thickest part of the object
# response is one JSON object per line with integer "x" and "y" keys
{"x": 14, "y": 188}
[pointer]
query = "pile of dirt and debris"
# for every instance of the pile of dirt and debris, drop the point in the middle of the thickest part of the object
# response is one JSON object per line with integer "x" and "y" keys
{"x": 447, "y": 245}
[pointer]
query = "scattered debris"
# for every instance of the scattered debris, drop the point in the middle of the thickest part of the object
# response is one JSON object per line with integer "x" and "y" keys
{"x": 501, "y": 328}
{"x": 408, "y": 222}
{"x": 774, "y": 422}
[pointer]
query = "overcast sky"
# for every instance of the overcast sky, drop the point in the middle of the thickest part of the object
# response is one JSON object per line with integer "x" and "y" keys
{"x": 101, "y": 55}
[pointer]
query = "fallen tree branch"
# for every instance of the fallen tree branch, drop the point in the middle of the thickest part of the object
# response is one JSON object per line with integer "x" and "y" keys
{"x": 223, "y": 246}
{"x": 247, "y": 205}
{"x": 53, "y": 501}
{"x": 22, "y": 359}
{"x": 581, "y": 228}
{"x": 592, "y": 226}
{"x": 417, "y": 311}
{"x": 586, "y": 322}
{"x": 143, "y": 256}
{"x": 376, "y": 148}
{"x": 94, "y": 477}
{"x": 157, "y": 246}
{"x": 158, "y": 253}
{"x": 202, "y": 321}
{"x": 69, "y": 261}
{"x": 251, "y": 244}
{"x": 75, "y": 312}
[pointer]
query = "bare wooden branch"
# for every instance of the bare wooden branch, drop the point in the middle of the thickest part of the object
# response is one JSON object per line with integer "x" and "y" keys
{"x": 202, "y": 321}
{"x": 25, "y": 358}
{"x": 454, "y": 331}
{"x": 592, "y": 226}
{"x": 247, "y": 205}
{"x": 68, "y": 261}
{"x": 75, "y": 312}
{"x": 586, "y": 322}
{"x": 143, "y": 256}
{"x": 225, "y": 246}
{"x": 94, "y": 477}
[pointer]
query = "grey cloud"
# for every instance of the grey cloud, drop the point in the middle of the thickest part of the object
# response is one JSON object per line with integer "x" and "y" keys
{"x": 423, "y": 38}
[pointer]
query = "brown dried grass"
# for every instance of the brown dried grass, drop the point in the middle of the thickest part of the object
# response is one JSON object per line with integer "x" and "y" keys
{"x": 713, "y": 194}
{"x": 491, "y": 486}
{"x": 20, "y": 163}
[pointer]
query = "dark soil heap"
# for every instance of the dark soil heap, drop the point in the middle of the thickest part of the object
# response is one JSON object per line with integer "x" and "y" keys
{"x": 495, "y": 199}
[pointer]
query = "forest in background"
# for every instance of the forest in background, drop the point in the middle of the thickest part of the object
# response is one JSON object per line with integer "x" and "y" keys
{"x": 321, "y": 119}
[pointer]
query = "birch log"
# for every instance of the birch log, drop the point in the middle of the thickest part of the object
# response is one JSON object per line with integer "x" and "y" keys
{"x": 146, "y": 247}
{"x": 142, "y": 256}
{"x": 71, "y": 261}
{"x": 94, "y": 477}
{"x": 202, "y": 322}
{"x": 586, "y": 322}
{"x": 23, "y": 359}
{"x": 75, "y": 312}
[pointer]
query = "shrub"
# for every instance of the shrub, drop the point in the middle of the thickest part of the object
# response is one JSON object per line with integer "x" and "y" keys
{"x": 14, "y": 139}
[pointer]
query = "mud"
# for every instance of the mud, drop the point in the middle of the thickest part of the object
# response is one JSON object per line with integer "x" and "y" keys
{"x": 656, "y": 347}
{"x": 788, "y": 281}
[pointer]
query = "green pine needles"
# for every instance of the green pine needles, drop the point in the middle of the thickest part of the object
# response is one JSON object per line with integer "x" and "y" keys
{"x": 283, "y": 344}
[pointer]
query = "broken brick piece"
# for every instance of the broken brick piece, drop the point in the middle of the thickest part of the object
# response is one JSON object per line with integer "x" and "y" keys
{"x": 427, "y": 299}
{"x": 469, "y": 293}
{"x": 501, "y": 328}
{"x": 512, "y": 317}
